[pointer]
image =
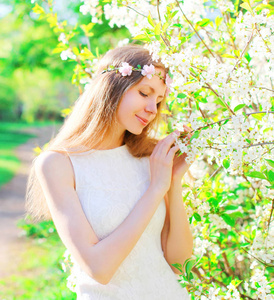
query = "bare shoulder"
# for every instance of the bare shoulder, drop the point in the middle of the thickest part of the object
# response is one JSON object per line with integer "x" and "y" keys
{"x": 52, "y": 165}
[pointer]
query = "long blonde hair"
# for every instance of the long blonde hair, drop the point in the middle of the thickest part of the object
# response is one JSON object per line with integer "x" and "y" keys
{"x": 93, "y": 117}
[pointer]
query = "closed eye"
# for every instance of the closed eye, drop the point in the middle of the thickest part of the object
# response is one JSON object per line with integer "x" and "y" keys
{"x": 142, "y": 94}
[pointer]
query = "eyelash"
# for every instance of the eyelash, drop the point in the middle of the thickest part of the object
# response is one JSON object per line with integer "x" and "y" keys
{"x": 144, "y": 95}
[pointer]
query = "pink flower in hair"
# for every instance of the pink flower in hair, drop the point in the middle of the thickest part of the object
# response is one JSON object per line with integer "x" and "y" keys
{"x": 168, "y": 82}
{"x": 148, "y": 71}
{"x": 126, "y": 69}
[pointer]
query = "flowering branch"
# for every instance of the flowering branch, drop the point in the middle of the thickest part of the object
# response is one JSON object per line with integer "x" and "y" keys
{"x": 231, "y": 37}
{"x": 261, "y": 261}
{"x": 263, "y": 39}
{"x": 194, "y": 29}
{"x": 209, "y": 87}
{"x": 253, "y": 188}
{"x": 228, "y": 118}
{"x": 239, "y": 59}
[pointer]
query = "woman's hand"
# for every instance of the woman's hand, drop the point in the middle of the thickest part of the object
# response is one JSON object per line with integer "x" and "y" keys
{"x": 161, "y": 163}
{"x": 180, "y": 166}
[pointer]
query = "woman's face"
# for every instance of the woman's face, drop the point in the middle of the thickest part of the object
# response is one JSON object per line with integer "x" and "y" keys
{"x": 138, "y": 106}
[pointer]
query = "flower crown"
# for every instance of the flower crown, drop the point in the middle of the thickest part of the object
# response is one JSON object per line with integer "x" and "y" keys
{"x": 147, "y": 71}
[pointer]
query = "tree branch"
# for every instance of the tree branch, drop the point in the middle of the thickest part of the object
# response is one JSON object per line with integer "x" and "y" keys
{"x": 239, "y": 59}
{"x": 194, "y": 29}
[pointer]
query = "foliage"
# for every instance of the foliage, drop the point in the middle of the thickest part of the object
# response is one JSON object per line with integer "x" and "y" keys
{"x": 41, "y": 277}
{"x": 10, "y": 139}
{"x": 32, "y": 81}
{"x": 12, "y": 135}
{"x": 35, "y": 85}
{"x": 220, "y": 56}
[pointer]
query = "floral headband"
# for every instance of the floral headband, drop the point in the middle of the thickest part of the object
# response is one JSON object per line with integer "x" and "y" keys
{"x": 147, "y": 71}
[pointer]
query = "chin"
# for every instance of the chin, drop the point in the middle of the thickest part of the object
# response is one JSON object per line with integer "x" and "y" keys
{"x": 135, "y": 131}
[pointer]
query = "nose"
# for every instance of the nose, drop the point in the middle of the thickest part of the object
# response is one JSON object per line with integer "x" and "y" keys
{"x": 151, "y": 107}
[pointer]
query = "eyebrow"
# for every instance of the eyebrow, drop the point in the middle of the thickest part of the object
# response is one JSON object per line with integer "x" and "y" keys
{"x": 151, "y": 89}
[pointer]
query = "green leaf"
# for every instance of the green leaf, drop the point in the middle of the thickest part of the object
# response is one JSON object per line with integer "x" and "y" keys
{"x": 142, "y": 37}
{"x": 189, "y": 265}
{"x": 219, "y": 101}
{"x": 228, "y": 55}
{"x": 270, "y": 162}
{"x": 197, "y": 105}
{"x": 247, "y": 7}
{"x": 157, "y": 30}
{"x": 203, "y": 100}
{"x": 247, "y": 56}
{"x": 260, "y": 7}
{"x": 195, "y": 135}
{"x": 170, "y": 105}
{"x": 218, "y": 21}
{"x": 86, "y": 53}
{"x": 271, "y": 13}
{"x": 235, "y": 215}
{"x": 204, "y": 22}
{"x": 237, "y": 53}
{"x": 165, "y": 26}
{"x": 178, "y": 25}
{"x": 270, "y": 176}
{"x": 174, "y": 14}
{"x": 258, "y": 116}
{"x": 178, "y": 266}
{"x": 181, "y": 96}
{"x": 257, "y": 285}
{"x": 150, "y": 20}
{"x": 75, "y": 50}
{"x": 226, "y": 163}
{"x": 256, "y": 174}
{"x": 231, "y": 207}
{"x": 213, "y": 201}
{"x": 238, "y": 107}
{"x": 87, "y": 28}
{"x": 228, "y": 219}
{"x": 197, "y": 217}
{"x": 38, "y": 9}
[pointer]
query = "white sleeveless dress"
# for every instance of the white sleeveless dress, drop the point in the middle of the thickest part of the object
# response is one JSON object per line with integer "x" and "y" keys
{"x": 109, "y": 183}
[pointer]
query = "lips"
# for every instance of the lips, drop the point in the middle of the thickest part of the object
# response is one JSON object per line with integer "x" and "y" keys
{"x": 142, "y": 120}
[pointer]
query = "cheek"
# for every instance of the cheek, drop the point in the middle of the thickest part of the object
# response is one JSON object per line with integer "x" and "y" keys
{"x": 125, "y": 108}
{"x": 128, "y": 104}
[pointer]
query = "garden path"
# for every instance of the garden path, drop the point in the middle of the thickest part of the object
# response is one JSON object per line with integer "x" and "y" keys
{"x": 12, "y": 200}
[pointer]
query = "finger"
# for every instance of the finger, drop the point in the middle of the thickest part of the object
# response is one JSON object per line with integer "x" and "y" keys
{"x": 187, "y": 128}
{"x": 156, "y": 147}
{"x": 166, "y": 144}
{"x": 172, "y": 152}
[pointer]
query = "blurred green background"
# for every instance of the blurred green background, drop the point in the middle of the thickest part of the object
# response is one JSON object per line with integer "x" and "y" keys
{"x": 35, "y": 86}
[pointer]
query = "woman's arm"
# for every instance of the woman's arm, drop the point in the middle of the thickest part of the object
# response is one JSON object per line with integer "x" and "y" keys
{"x": 99, "y": 259}
{"x": 179, "y": 240}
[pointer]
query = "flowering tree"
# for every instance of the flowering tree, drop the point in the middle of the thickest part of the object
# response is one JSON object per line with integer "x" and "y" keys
{"x": 221, "y": 59}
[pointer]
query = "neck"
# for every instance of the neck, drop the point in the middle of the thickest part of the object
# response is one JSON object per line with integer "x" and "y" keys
{"x": 111, "y": 143}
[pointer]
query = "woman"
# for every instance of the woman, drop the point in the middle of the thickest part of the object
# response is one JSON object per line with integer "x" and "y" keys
{"x": 112, "y": 189}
